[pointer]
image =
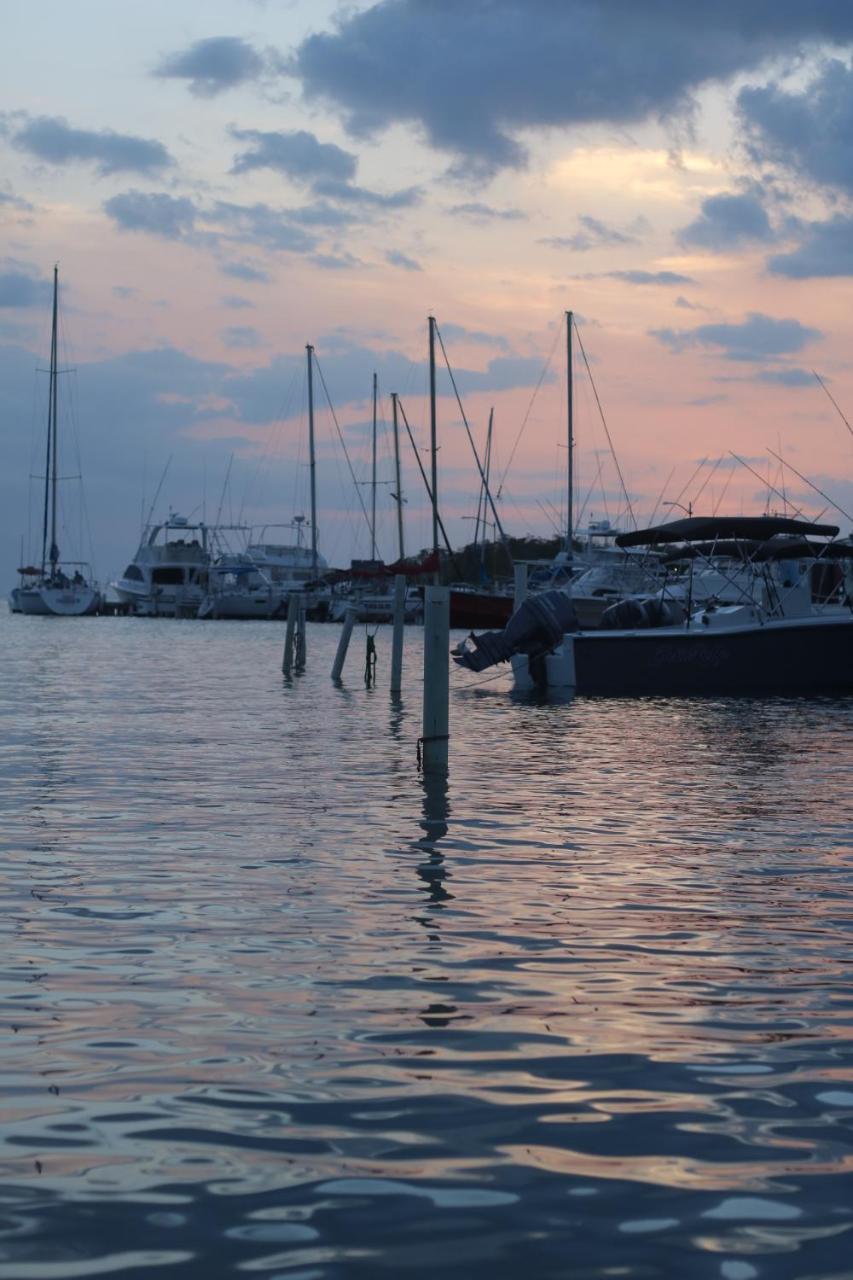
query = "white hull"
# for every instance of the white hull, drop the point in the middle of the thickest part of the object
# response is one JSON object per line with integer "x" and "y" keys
{"x": 58, "y": 602}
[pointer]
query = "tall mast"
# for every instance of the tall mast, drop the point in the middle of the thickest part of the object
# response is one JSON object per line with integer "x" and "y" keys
{"x": 433, "y": 446}
{"x": 49, "y": 448}
{"x": 373, "y": 554}
{"x": 399, "y": 495}
{"x": 570, "y": 427}
{"x": 312, "y": 460}
{"x": 488, "y": 469}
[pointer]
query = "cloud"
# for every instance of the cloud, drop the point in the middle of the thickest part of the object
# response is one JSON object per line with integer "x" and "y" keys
{"x": 298, "y": 155}
{"x": 351, "y": 194}
{"x": 650, "y": 277}
{"x": 826, "y": 250}
{"x": 158, "y": 214}
{"x": 479, "y": 212}
{"x": 335, "y": 261}
{"x": 53, "y": 140}
{"x": 261, "y": 225}
{"x": 322, "y": 215}
{"x": 458, "y": 333}
{"x": 687, "y": 305}
{"x": 21, "y": 286}
{"x": 15, "y": 202}
{"x": 398, "y": 259}
{"x": 236, "y": 303}
{"x": 471, "y": 77}
{"x": 241, "y": 336}
{"x": 214, "y": 65}
{"x": 810, "y": 132}
{"x": 247, "y": 271}
{"x": 594, "y": 234}
{"x": 757, "y": 338}
{"x": 787, "y": 377}
{"x": 728, "y": 222}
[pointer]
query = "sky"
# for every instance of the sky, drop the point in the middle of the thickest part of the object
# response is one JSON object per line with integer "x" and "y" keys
{"x": 222, "y": 184}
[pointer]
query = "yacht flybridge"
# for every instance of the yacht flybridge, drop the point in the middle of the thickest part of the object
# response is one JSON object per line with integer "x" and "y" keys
{"x": 789, "y": 631}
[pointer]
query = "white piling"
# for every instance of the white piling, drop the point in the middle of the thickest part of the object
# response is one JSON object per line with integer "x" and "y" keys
{"x": 343, "y": 643}
{"x": 397, "y": 642}
{"x": 436, "y": 710}
{"x": 289, "y": 635}
{"x": 520, "y": 585}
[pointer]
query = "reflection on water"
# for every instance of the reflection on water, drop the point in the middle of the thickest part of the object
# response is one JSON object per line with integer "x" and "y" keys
{"x": 276, "y": 1003}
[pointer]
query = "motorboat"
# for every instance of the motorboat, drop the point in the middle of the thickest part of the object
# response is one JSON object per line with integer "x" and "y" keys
{"x": 168, "y": 576}
{"x": 56, "y": 587}
{"x": 258, "y": 582}
{"x": 791, "y": 633}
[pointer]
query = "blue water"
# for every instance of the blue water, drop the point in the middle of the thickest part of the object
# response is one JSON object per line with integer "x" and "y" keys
{"x": 273, "y": 1005}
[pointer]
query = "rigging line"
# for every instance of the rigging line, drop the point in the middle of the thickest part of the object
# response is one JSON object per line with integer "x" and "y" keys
{"x": 660, "y": 497}
{"x": 548, "y": 516}
{"x": 719, "y": 501}
{"x": 606, "y": 428}
{"x": 704, "y": 483}
{"x": 677, "y": 501}
{"x": 524, "y": 421}
{"x": 471, "y": 440}
{"x": 427, "y": 486}
{"x": 761, "y": 480}
{"x": 811, "y": 485}
{"x": 341, "y": 438}
{"x": 835, "y": 403}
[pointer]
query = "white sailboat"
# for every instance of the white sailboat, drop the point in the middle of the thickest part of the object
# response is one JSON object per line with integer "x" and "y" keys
{"x": 56, "y": 588}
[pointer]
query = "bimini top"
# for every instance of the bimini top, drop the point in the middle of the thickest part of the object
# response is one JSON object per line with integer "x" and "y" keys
{"x": 711, "y": 528}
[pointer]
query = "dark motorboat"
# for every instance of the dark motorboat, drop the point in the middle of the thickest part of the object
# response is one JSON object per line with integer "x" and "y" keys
{"x": 791, "y": 633}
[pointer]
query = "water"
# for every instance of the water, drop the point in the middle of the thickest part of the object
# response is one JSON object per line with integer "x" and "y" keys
{"x": 274, "y": 1006}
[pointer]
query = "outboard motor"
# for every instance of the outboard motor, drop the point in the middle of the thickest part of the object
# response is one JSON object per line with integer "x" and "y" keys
{"x": 536, "y": 627}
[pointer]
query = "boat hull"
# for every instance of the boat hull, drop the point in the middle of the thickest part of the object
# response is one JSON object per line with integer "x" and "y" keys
{"x": 58, "y": 602}
{"x": 808, "y": 656}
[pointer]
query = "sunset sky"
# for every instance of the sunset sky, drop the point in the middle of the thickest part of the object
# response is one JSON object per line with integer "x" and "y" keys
{"x": 222, "y": 183}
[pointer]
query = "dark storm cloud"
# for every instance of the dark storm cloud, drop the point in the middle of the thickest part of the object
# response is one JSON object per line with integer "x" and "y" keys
{"x": 593, "y": 234}
{"x": 298, "y": 155}
{"x": 757, "y": 338}
{"x": 21, "y": 285}
{"x": 211, "y": 66}
{"x": 728, "y": 222}
{"x": 825, "y": 250}
{"x": 397, "y": 259}
{"x": 53, "y": 140}
{"x": 472, "y": 76}
{"x": 650, "y": 277}
{"x": 158, "y": 214}
{"x": 810, "y": 132}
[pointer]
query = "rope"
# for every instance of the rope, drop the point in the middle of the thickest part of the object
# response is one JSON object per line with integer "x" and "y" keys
{"x": 370, "y": 662}
{"x": 606, "y": 429}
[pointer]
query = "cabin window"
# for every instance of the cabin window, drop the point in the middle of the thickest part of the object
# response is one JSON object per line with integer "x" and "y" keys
{"x": 168, "y": 575}
{"x": 133, "y": 573}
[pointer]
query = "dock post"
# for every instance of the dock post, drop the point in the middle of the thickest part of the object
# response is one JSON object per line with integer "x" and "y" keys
{"x": 436, "y": 708}
{"x": 301, "y": 648}
{"x": 343, "y": 643}
{"x": 520, "y": 586}
{"x": 289, "y": 635}
{"x": 397, "y": 642}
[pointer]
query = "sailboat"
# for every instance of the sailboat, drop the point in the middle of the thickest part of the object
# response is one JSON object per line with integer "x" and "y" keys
{"x": 56, "y": 588}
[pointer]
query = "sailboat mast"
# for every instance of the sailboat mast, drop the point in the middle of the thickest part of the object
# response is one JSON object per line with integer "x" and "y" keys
{"x": 397, "y": 472}
{"x": 49, "y": 447}
{"x": 433, "y": 446}
{"x": 373, "y": 554}
{"x": 312, "y": 459}
{"x": 570, "y": 427}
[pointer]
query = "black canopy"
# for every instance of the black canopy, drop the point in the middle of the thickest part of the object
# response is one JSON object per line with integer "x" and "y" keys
{"x": 711, "y": 528}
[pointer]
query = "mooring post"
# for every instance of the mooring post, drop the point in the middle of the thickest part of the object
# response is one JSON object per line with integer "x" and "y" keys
{"x": 301, "y": 648}
{"x": 436, "y": 711}
{"x": 520, "y": 585}
{"x": 343, "y": 643}
{"x": 290, "y": 633}
{"x": 397, "y": 642}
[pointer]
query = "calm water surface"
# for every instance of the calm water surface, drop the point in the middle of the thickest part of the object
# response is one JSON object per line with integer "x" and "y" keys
{"x": 274, "y": 1006}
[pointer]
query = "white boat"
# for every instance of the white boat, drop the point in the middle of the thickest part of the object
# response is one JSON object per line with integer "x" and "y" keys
{"x": 258, "y": 582}
{"x": 168, "y": 576}
{"x": 787, "y": 636}
{"x": 375, "y": 604}
{"x": 57, "y": 587}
